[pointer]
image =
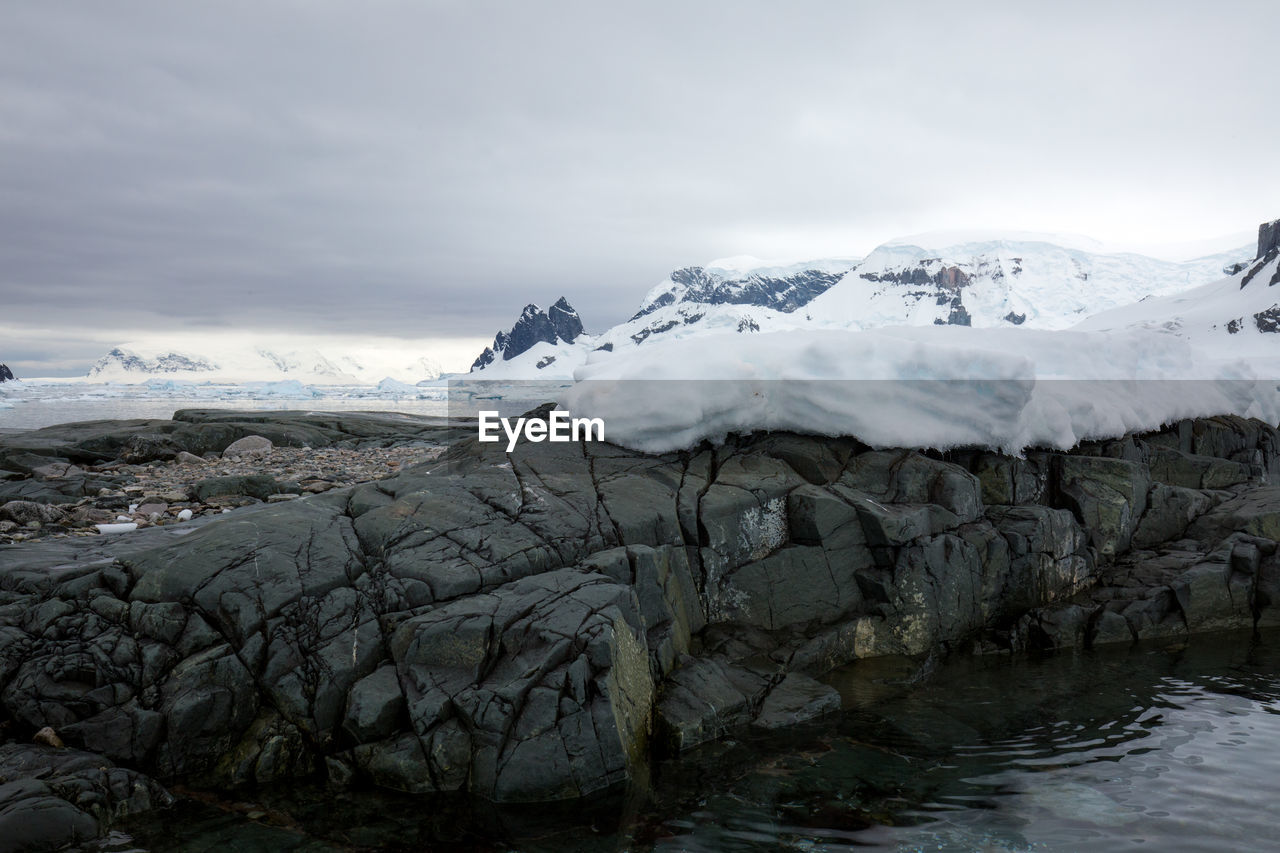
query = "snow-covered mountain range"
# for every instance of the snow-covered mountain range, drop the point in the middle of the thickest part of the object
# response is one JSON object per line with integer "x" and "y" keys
{"x": 245, "y": 361}
{"x": 982, "y": 280}
{"x": 1209, "y": 350}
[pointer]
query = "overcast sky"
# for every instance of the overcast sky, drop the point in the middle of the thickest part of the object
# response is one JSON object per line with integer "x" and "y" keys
{"x": 423, "y": 169}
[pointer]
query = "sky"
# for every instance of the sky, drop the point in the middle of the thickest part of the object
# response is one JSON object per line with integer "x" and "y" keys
{"x": 421, "y": 170}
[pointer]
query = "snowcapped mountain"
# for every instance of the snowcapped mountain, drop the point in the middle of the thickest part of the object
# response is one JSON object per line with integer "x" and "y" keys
{"x": 1239, "y": 314}
{"x": 983, "y": 280}
{"x": 988, "y": 281}
{"x": 1209, "y": 350}
{"x": 559, "y": 324}
{"x": 247, "y": 361}
{"x": 123, "y": 361}
{"x": 746, "y": 280}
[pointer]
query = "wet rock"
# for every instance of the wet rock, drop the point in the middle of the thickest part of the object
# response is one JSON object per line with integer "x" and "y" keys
{"x": 55, "y": 799}
{"x": 1213, "y": 597}
{"x": 705, "y": 699}
{"x": 796, "y": 699}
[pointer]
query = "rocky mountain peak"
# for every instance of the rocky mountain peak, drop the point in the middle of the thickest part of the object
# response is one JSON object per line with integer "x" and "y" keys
{"x": 1268, "y": 237}
{"x": 120, "y": 359}
{"x": 560, "y": 324}
{"x": 781, "y": 289}
{"x": 5, "y": 373}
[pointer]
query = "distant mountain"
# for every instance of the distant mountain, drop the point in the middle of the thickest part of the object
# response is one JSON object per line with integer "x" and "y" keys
{"x": 126, "y": 361}
{"x": 266, "y": 363}
{"x": 746, "y": 281}
{"x": 983, "y": 280}
{"x": 5, "y": 373}
{"x": 559, "y": 324}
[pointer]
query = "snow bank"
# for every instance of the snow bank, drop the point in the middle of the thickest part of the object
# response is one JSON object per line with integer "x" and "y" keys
{"x": 939, "y": 387}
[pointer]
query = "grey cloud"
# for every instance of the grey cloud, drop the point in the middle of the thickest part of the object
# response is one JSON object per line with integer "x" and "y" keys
{"x": 426, "y": 168}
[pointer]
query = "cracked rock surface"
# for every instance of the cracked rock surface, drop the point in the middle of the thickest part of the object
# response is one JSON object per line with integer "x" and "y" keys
{"x": 532, "y": 626}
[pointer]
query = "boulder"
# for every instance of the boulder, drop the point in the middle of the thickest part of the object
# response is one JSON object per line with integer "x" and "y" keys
{"x": 25, "y": 512}
{"x": 249, "y": 447}
{"x": 259, "y": 486}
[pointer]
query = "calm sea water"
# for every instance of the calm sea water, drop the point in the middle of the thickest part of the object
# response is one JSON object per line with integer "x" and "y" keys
{"x": 1173, "y": 748}
{"x": 36, "y": 413}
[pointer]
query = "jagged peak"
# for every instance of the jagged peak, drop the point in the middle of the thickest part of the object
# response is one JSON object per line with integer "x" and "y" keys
{"x": 559, "y": 324}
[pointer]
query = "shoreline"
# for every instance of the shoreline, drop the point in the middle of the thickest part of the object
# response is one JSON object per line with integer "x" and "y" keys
{"x": 547, "y": 624}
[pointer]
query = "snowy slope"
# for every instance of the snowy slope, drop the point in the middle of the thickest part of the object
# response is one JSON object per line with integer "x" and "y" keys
{"x": 1235, "y": 317}
{"x": 1021, "y": 280}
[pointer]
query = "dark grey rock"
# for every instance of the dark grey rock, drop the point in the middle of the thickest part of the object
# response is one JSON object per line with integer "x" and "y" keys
{"x": 1256, "y": 512}
{"x": 55, "y": 799}
{"x": 1170, "y": 509}
{"x": 24, "y": 512}
{"x": 1108, "y": 496}
{"x": 521, "y": 626}
{"x": 705, "y": 699}
{"x": 796, "y": 699}
{"x": 1268, "y": 238}
{"x": 375, "y": 706}
{"x": 260, "y": 486}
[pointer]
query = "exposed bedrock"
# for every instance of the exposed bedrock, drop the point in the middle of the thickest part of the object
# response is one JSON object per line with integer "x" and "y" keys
{"x": 533, "y": 626}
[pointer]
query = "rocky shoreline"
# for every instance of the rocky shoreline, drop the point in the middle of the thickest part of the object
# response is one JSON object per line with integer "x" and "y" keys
{"x": 536, "y": 626}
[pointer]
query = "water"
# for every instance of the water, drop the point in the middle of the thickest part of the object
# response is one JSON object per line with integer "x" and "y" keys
{"x": 1151, "y": 748}
{"x": 41, "y": 406}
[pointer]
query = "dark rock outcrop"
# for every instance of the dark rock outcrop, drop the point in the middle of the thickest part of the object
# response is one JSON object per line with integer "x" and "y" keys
{"x": 532, "y": 626}
{"x": 932, "y": 279}
{"x": 559, "y": 324}
{"x": 781, "y": 293}
{"x": 58, "y": 799}
{"x": 5, "y": 373}
{"x": 1268, "y": 237}
{"x": 1268, "y": 320}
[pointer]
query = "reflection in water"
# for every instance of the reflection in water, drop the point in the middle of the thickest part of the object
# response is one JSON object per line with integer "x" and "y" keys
{"x": 1155, "y": 748}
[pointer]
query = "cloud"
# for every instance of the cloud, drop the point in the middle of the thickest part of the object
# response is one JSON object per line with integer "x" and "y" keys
{"x": 424, "y": 169}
